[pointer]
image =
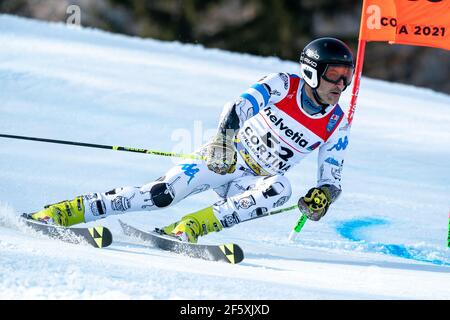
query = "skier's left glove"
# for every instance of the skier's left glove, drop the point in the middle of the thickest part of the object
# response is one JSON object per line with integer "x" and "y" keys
{"x": 315, "y": 203}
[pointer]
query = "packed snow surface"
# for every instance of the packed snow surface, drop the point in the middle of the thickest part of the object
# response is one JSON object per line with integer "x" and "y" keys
{"x": 385, "y": 238}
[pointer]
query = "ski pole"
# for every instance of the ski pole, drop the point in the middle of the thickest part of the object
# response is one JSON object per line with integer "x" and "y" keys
{"x": 282, "y": 210}
{"x": 100, "y": 146}
{"x": 298, "y": 227}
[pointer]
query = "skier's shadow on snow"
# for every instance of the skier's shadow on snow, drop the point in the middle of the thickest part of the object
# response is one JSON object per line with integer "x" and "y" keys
{"x": 127, "y": 247}
{"x": 381, "y": 264}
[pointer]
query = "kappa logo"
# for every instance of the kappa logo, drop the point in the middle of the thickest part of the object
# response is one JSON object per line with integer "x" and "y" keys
{"x": 190, "y": 169}
{"x": 340, "y": 145}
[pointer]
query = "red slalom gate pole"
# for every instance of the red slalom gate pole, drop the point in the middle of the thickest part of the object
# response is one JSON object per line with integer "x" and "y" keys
{"x": 356, "y": 83}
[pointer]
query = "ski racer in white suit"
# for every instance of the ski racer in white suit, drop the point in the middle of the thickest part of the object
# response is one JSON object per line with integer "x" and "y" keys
{"x": 263, "y": 134}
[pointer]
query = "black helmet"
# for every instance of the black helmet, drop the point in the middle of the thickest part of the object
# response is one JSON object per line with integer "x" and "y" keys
{"x": 320, "y": 53}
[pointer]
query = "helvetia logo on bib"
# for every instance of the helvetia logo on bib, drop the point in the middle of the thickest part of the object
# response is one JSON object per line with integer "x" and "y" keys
{"x": 288, "y": 132}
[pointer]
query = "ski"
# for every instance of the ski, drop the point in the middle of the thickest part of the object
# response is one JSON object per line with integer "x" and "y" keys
{"x": 98, "y": 237}
{"x": 230, "y": 253}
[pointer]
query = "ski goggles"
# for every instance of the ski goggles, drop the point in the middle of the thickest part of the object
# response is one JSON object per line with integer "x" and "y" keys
{"x": 334, "y": 74}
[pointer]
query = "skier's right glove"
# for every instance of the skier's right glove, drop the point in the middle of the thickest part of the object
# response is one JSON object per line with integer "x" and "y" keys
{"x": 221, "y": 155}
{"x": 315, "y": 203}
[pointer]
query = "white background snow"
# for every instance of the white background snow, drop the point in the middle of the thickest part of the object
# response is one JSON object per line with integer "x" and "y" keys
{"x": 386, "y": 237}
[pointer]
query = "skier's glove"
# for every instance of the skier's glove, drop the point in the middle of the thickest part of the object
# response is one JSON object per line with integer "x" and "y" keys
{"x": 315, "y": 203}
{"x": 221, "y": 155}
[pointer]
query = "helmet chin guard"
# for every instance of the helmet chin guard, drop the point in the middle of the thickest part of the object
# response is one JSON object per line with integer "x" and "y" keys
{"x": 309, "y": 74}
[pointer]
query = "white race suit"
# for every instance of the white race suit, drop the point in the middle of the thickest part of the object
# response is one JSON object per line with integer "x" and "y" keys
{"x": 274, "y": 134}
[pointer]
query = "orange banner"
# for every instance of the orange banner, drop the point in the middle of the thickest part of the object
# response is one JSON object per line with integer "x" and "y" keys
{"x": 413, "y": 22}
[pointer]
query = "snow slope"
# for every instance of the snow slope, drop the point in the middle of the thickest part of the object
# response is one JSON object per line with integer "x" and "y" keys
{"x": 384, "y": 239}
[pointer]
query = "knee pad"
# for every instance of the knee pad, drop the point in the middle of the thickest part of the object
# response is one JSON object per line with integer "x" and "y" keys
{"x": 161, "y": 194}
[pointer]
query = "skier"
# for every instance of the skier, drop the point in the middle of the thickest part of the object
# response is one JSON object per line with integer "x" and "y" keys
{"x": 270, "y": 128}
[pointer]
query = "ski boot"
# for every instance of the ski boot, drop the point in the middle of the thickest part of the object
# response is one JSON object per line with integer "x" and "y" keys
{"x": 64, "y": 213}
{"x": 193, "y": 225}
